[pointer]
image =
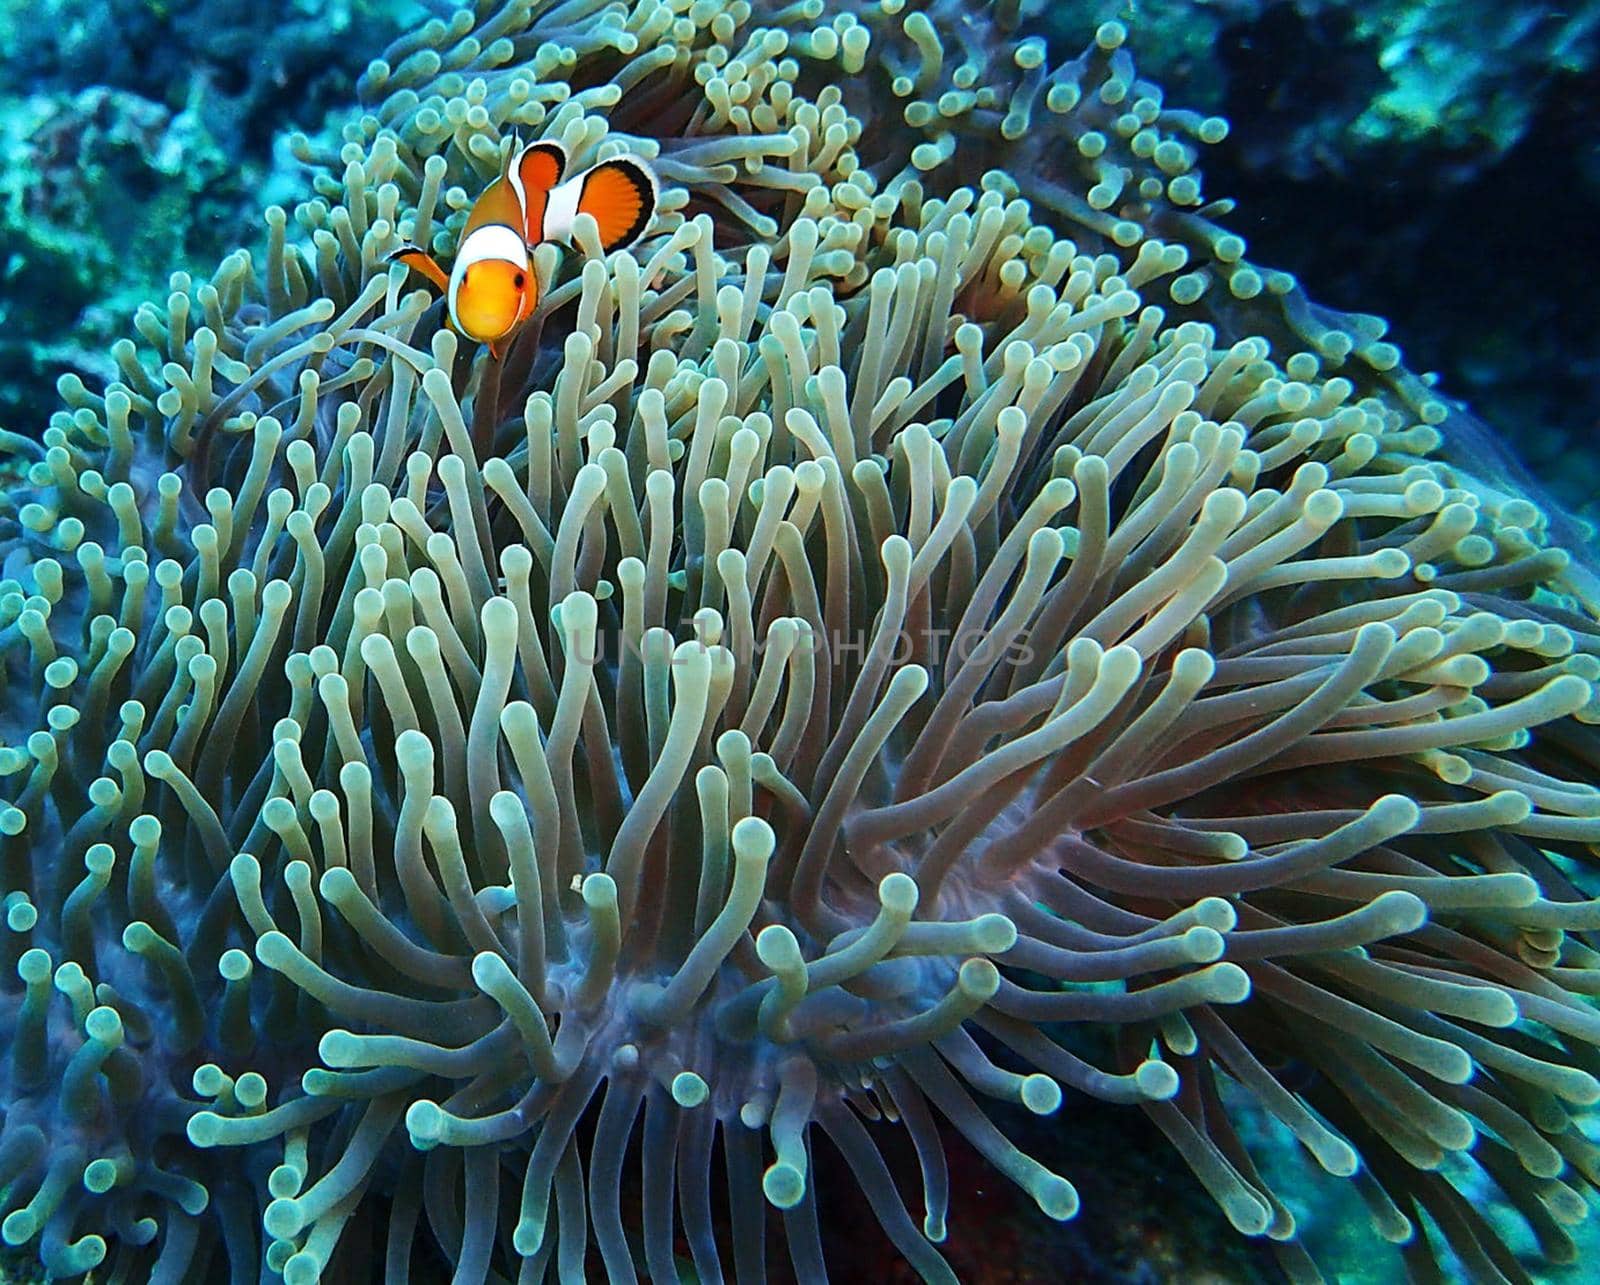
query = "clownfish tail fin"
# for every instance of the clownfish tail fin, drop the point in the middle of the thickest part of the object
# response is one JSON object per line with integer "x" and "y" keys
{"x": 423, "y": 263}
{"x": 621, "y": 196}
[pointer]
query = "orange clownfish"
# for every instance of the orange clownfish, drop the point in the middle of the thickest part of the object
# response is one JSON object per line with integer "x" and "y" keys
{"x": 491, "y": 288}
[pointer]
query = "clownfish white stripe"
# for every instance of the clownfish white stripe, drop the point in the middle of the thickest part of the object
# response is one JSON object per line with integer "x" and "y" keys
{"x": 491, "y": 241}
{"x": 561, "y": 208}
{"x": 514, "y": 178}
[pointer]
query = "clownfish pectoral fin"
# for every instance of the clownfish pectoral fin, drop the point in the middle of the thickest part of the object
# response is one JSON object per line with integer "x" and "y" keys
{"x": 420, "y": 261}
{"x": 621, "y": 195}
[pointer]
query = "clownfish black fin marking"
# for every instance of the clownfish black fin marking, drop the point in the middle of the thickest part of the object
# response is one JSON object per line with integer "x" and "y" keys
{"x": 620, "y": 194}
{"x": 423, "y": 263}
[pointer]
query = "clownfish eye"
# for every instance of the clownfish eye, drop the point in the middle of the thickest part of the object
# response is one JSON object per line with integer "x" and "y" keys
{"x": 519, "y": 281}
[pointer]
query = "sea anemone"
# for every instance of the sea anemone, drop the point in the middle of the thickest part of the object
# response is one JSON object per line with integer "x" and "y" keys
{"x": 853, "y": 644}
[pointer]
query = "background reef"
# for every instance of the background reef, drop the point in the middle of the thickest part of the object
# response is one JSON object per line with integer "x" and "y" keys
{"x": 140, "y": 137}
{"x": 1413, "y": 158}
{"x": 117, "y": 119}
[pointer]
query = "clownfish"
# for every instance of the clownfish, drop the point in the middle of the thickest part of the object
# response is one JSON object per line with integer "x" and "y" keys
{"x": 491, "y": 288}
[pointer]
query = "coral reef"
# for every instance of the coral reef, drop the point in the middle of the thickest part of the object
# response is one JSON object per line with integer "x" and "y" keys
{"x": 242, "y": 58}
{"x": 934, "y": 601}
{"x": 138, "y": 138}
{"x": 103, "y": 192}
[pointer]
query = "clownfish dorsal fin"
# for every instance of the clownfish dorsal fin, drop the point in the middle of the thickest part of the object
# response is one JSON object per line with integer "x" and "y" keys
{"x": 541, "y": 165}
{"x": 535, "y": 171}
{"x": 424, "y": 264}
{"x": 619, "y": 194}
